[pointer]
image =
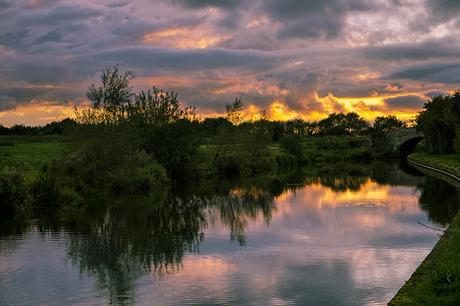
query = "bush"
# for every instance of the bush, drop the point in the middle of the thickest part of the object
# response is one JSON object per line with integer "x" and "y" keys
{"x": 141, "y": 175}
{"x": 48, "y": 192}
{"x": 292, "y": 145}
{"x": 175, "y": 147}
{"x": 229, "y": 166}
{"x": 13, "y": 192}
{"x": 286, "y": 160}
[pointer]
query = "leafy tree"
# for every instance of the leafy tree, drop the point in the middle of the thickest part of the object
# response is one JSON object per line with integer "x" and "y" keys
{"x": 387, "y": 123}
{"x": 341, "y": 124}
{"x": 436, "y": 124}
{"x": 234, "y": 111}
{"x": 156, "y": 108}
{"x": 278, "y": 130}
{"x": 4, "y": 130}
{"x": 115, "y": 93}
{"x": 355, "y": 125}
{"x": 210, "y": 126}
{"x": 453, "y": 116}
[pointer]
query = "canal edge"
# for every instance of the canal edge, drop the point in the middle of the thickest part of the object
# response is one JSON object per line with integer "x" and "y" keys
{"x": 404, "y": 296}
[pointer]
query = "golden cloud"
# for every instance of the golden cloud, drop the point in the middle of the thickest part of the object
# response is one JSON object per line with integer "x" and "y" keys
{"x": 185, "y": 38}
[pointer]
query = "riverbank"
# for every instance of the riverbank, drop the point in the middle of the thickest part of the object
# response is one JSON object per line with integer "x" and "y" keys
{"x": 437, "y": 280}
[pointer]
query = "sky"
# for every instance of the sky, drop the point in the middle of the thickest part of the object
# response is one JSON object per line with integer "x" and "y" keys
{"x": 288, "y": 58}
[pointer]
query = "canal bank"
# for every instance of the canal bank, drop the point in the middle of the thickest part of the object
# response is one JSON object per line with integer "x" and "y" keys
{"x": 437, "y": 280}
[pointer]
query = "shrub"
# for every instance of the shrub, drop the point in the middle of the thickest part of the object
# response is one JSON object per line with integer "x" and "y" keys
{"x": 13, "y": 192}
{"x": 229, "y": 166}
{"x": 293, "y": 145}
{"x": 48, "y": 192}
{"x": 141, "y": 175}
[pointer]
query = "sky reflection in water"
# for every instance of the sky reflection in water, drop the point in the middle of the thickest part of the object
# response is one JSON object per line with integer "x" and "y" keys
{"x": 326, "y": 243}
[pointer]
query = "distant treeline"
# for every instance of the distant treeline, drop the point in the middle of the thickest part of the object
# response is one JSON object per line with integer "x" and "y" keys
{"x": 336, "y": 124}
{"x": 53, "y": 128}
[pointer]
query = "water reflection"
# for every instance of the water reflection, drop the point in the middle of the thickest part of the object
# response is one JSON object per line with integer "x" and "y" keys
{"x": 338, "y": 235}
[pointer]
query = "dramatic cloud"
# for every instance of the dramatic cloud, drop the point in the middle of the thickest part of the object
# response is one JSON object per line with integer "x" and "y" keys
{"x": 409, "y": 102}
{"x": 313, "y": 19}
{"x": 436, "y": 72}
{"x": 289, "y": 58}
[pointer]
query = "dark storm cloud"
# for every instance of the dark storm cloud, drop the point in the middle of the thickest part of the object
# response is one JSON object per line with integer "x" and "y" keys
{"x": 405, "y": 102}
{"x": 434, "y": 93}
{"x": 313, "y": 19}
{"x": 301, "y": 85}
{"x": 186, "y": 60}
{"x": 41, "y": 72}
{"x": 52, "y": 36}
{"x": 60, "y": 13}
{"x": 15, "y": 38}
{"x": 436, "y": 72}
{"x": 4, "y": 4}
{"x": 444, "y": 7}
{"x": 209, "y": 3}
{"x": 13, "y": 96}
{"x": 442, "y": 48}
{"x": 7, "y": 102}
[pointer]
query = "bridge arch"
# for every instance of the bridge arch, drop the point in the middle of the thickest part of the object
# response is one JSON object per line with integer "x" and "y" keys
{"x": 409, "y": 145}
{"x": 405, "y": 140}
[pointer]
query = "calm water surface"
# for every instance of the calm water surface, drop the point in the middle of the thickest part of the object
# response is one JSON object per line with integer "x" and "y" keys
{"x": 324, "y": 237}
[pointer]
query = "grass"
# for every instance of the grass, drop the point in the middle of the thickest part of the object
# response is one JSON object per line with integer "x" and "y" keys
{"x": 449, "y": 162}
{"x": 437, "y": 280}
{"x": 29, "y": 154}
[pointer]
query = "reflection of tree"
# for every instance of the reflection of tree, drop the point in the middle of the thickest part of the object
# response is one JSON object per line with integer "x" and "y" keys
{"x": 337, "y": 184}
{"x": 134, "y": 238}
{"x": 240, "y": 207}
{"x": 440, "y": 199}
{"x": 338, "y": 177}
{"x": 10, "y": 229}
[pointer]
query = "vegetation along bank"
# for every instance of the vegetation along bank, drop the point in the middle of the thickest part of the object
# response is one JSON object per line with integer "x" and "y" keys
{"x": 437, "y": 279}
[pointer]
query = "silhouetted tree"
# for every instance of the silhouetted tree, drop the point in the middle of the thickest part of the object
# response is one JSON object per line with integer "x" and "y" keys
{"x": 387, "y": 123}
{"x": 439, "y": 123}
{"x": 234, "y": 111}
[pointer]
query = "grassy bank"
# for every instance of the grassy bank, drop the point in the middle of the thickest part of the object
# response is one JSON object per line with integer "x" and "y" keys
{"x": 29, "y": 154}
{"x": 437, "y": 279}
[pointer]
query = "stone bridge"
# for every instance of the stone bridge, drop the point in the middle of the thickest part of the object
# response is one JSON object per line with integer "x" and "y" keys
{"x": 404, "y": 140}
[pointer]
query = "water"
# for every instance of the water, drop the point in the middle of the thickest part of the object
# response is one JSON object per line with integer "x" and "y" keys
{"x": 338, "y": 236}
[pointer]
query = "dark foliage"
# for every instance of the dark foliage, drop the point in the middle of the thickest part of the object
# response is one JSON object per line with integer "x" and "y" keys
{"x": 440, "y": 123}
{"x": 13, "y": 192}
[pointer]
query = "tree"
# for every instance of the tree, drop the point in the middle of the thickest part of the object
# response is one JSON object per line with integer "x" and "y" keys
{"x": 113, "y": 97}
{"x": 341, "y": 124}
{"x": 156, "y": 108}
{"x": 355, "y": 125}
{"x": 234, "y": 111}
{"x": 4, "y": 130}
{"x": 453, "y": 115}
{"x": 437, "y": 125}
{"x": 388, "y": 123}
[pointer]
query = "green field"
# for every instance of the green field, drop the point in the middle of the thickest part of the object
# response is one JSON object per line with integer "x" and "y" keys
{"x": 29, "y": 153}
{"x": 437, "y": 279}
